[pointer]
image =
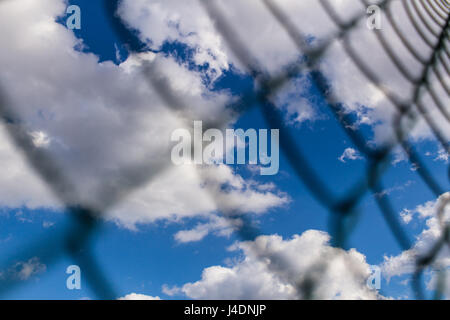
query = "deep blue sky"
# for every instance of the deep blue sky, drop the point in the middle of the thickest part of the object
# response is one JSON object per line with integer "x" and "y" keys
{"x": 143, "y": 261}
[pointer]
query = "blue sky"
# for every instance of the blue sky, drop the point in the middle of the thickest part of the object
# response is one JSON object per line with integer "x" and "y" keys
{"x": 143, "y": 260}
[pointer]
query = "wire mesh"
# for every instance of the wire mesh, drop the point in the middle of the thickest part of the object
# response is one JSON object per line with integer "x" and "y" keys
{"x": 426, "y": 16}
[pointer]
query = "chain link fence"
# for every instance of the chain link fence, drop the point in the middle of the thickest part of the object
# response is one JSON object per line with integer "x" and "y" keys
{"x": 423, "y": 14}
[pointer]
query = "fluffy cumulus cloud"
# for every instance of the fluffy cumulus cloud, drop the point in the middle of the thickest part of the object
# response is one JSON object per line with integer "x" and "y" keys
{"x": 187, "y": 22}
{"x": 138, "y": 296}
{"x": 96, "y": 121}
{"x": 275, "y": 268}
{"x": 185, "y": 192}
{"x": 436, "y": 215}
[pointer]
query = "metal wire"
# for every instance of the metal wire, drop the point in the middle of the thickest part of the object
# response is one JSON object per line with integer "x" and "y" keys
{"x": 429, "y": 18}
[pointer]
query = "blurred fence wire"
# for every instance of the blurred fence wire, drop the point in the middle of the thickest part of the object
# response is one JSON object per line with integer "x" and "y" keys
{"x": 75, "y": 241}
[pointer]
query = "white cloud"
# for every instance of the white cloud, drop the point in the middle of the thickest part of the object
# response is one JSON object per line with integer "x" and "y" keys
{"x": 442, "y": 156}
{"x": 187, "y": 22}
{"x": 170, "y": 291}
{"x": 106, "y": 127}
{"x": 40, "y": 139}
{"x": 138, "y": 296}
{"x": 23, "y": 270}
{"x": 48, "y": 224}
{"x": 30, "y": 268}
{"x": 294, "y": 99}
{"x": 350, "y": 154}
{"x": 187, "y": 191}
{"x": 395, "y": 188}
{"x": 219, "y": 225}
{"x": 406, "y": 215}
{"x": 405, "y": 262}
{"x": 399, "y": 156}
{"x": 19, "y": 186}
{"x": 273, "y": 268}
